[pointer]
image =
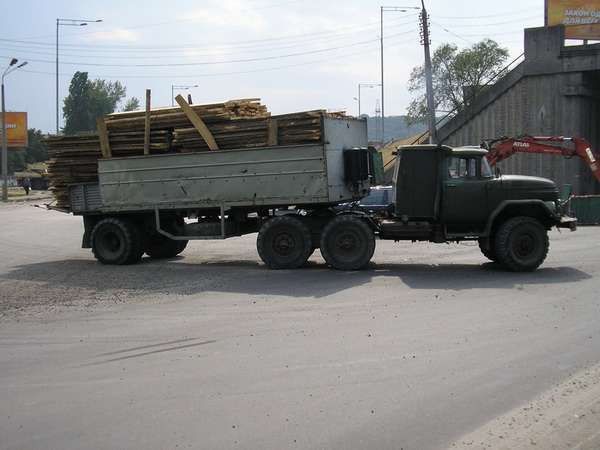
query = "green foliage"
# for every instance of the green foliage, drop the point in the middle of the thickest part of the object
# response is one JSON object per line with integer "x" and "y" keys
{"x": 76, "y": 111}
{"x": 36, "y": 152}
{"x": 88, "y": 100}
{"x": 104, "y": 98}
{"x": 457, "y": 75}
{"x": 19, "y": 157}
{"x": 133, "y": 104}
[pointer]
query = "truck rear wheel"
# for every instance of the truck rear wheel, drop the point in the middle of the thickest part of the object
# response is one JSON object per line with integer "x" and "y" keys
{"x": 116, "y": 241}
{"x": 347, "y": 243}
{"x": 521, "y": 244}
{"x": 284, "y": 242}
{"x": 159, "y": 246}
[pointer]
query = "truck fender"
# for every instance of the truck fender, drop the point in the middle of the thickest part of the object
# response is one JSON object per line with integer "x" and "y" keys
{"x": 547, "y": 208}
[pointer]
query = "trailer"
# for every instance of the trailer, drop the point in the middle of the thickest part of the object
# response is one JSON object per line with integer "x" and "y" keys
{"x": 155, "y": 204}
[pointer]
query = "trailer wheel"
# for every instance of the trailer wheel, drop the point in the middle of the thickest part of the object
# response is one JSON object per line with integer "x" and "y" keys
{"x": 347, "y": 243}
{"x": 284, "y": 242}
{"x": 160, "y": 246}
{"x": 116, "y": 241}
{"x": 521, "y": 244}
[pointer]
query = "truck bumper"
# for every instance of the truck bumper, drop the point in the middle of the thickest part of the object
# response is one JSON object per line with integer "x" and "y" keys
{"x": 568, "y": 222}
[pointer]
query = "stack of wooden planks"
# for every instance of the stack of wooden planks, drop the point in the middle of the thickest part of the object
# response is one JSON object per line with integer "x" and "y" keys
{"x": 235, "y": 124}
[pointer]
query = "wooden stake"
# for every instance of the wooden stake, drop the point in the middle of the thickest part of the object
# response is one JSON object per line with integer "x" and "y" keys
{"x": 103, "y": 135}
{"x": 272, "y": 129}
{"x": 147, "y": 123}
{"x": 198, "y": 123}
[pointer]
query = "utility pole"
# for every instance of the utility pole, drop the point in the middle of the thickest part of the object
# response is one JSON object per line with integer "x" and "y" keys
{"x": 11, "y": 67}
{"x": 428, "y": 76}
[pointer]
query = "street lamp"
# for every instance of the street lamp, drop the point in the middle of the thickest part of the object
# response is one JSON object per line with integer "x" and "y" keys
{"x": 173, "y": 87}
{"x": 386, "y": 9}
{"x": 360, "y": 86}
{"x": 72, "y": 23}
{"x": 11, "y": 68}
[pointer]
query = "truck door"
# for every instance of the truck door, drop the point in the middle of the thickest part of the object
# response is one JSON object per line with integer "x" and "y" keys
{"x": 465, "y": 191}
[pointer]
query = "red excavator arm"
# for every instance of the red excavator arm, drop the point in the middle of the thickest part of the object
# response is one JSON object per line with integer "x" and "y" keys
{"x": 502, "y": 148}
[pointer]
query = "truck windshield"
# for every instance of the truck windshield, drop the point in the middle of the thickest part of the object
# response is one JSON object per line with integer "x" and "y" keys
{"x": 486, "y": 169}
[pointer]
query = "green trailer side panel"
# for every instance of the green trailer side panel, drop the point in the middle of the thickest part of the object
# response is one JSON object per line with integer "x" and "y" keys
{"x": 245, "y": 177}
{"x": 259, "y": 177}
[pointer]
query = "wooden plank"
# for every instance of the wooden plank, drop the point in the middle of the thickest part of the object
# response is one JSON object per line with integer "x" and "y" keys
{"x": 147, "y": 124}
{"x": 198, "y": 123}
{"x": 103, "y": 135}
{"x": 272, "y": 129}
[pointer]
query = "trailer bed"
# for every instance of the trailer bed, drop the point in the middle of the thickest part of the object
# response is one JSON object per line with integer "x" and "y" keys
{"x": 262, "y": 177}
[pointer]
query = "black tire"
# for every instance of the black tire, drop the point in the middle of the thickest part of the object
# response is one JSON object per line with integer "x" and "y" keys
{"x": 284, "y": 242}
{"x": 159, "y": 246}
{"x": 347, "y": 243}
{"x": 521, "y": 244}
{"x": 116, "y": 241}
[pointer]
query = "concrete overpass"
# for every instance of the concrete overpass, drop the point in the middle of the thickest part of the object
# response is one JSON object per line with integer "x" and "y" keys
{"x": 555, "y": 91}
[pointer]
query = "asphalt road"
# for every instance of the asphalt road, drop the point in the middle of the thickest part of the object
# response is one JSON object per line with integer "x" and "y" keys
{"x": 430, "y": 347}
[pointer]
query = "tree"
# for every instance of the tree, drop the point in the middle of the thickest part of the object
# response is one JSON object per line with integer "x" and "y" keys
{"x": 76, "y": 111}
{"x": 105, "y": 96}
{"x": 88, "y": 100}
{"x": 458, "y": 76}
{"x": 133, "y": 104}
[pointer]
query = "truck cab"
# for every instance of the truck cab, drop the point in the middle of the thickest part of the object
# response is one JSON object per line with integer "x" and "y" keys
{"x": 444, "y": 194}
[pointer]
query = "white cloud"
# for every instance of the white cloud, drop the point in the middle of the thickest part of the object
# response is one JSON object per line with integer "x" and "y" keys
{"x": 121, "y": 35}
{"x": 230, "y": 15}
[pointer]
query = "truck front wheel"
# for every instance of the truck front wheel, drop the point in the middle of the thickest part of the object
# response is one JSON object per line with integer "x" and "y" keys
{"x": 116, "y": 241}
{"x": 521, "y": 244}
{"x": 284, "y": 242}
{"x": 347, "y": 243}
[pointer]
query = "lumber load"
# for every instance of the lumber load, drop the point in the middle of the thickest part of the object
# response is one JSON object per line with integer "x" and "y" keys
{"x": 231, "y": 125}
{"x": 174, "y": 117}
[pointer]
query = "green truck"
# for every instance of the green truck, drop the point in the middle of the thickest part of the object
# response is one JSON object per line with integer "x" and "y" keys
{"x": 444, "y": 194}
{"x": 156, "y": 204}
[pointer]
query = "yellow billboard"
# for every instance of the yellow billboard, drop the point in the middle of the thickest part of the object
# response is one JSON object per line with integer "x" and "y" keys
{"x": 16, "y": 129}
{"x": 581, "y": 18}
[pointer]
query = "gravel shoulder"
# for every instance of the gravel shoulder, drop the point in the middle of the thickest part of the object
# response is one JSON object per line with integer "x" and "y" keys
{"x": 567, "y": 416}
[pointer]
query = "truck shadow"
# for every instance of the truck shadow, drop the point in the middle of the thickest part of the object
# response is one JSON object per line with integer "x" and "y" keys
{"x": 460, "y": 277}
{"x": 78, "y": 280}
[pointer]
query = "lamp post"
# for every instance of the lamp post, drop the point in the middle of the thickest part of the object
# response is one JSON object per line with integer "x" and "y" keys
{"x": 386, "y": 9}
{"x": 364, "y": 85}
{"x": 11, "y": 67}
{"x": 173, "y": 87}
{"x": 72, "y": 23}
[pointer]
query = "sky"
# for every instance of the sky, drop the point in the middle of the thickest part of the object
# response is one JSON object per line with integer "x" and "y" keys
{"x": 293, "y": 55}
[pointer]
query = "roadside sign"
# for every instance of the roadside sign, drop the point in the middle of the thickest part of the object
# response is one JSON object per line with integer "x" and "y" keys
{"x": 16, "y": 129}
